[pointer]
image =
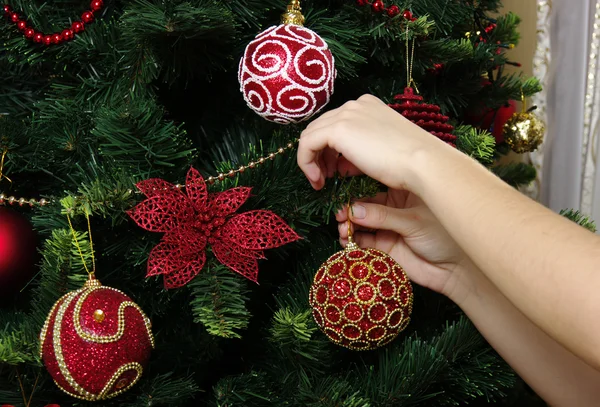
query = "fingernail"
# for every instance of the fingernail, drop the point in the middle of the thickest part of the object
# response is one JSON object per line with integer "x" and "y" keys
{"x": 359, "y": 212}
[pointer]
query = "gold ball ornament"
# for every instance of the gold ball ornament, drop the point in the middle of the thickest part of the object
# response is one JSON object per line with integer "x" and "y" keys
{"x": 524, "y": 132}
{"x": 361, "y": 298}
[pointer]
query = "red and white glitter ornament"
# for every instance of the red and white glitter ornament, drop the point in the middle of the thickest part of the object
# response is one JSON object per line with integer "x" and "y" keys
{"x": 96, "y": 342}
{"x": 361, "y": 298}
{"x": 426, "y": 116}
{"x": 287, "y": 72}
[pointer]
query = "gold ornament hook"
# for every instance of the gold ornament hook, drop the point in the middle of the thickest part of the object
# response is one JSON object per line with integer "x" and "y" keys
{"x": 2, "y": 157}
{"x": 351, "y": 243}
{"x": 293, "y": 15}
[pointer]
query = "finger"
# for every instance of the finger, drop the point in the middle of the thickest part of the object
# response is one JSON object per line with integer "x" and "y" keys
{"x": 309, "y": 151}
{"x": 380, "y": 198}
{"x": 343, "y": 229}
{"x": 346, "y": 169}
{"x": 381, "y": 217}
{"x": 330, "y": 158}
{"x": 322, "y": 120}
{"x": 361, "y": 239}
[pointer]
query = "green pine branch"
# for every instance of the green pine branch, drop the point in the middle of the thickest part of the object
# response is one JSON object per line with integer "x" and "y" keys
{"x": 219, "y": 299}
{"x": 580, "y": 219}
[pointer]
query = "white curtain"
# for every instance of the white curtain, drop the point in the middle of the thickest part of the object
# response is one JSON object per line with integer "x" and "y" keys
{"x": 567, "y": 62}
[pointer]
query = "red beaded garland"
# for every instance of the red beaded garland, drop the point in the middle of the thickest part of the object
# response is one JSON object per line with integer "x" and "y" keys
{"x": 77, "y": 27}
{"x": 87, "y": 17}
{"x": 378, "y": 6}
{"x": 97, "y": 5}
{"x": 65, "y": 35}
{"x": 393, "y": 11}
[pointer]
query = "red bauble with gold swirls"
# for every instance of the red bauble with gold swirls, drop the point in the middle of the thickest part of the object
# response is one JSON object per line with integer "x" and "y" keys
{"x": 361, "y": 298}
{"x": 96, "y": 342}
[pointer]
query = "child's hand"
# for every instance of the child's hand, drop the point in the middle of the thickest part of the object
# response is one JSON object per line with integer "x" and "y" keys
{"x": 407, "y": 230}
{"x": 372, "y": 139}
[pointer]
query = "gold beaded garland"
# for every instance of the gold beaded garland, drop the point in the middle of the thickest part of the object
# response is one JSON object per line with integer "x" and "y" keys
{"x": 11, "y": 200}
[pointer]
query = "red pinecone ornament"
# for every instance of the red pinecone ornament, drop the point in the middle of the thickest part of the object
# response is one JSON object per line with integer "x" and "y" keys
{"x": 361, "y": 298}
{"x": 96, "y": 342}
{"x": 424, "y": 115}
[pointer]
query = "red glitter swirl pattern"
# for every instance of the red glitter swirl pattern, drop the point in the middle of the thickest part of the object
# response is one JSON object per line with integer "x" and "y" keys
{"x": 287, "y": 74}
{"x": 361, "y": 298}
{"x": 95, "y": 343}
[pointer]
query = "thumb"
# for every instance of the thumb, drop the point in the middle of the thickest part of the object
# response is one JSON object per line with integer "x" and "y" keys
{"x": 382, "y": 217}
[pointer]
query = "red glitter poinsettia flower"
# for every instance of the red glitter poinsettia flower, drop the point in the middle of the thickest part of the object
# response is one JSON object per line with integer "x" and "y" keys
{"x": 195, "y": 219}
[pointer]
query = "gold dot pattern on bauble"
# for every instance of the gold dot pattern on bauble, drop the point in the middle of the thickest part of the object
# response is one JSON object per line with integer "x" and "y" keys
{"x": 361, "y": 298}
{"x": 99, "y": 316}
{"x": 524, "y": 132}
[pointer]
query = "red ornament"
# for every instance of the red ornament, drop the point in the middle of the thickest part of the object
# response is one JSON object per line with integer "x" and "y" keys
{"x": 494, "y": 120}
{"x": 393, "y": 11}
{"x": 193, "y": 220}
{"x": 67, "y": 35}
{"x": 361, "y": 298}
{"x": 87, "y": 17}
{"x": 287, "y": 74}
{"x": 51, "y": 405}
{"x": 96, "y": 5}
{"x": 77, "y": 27}
{"x": 362, "y": 2}
{"x": 18, "y": 254}
{"x": 56, "y": 38}
{"x": 378, "y": 6}
{"x": 96, "y": 342}
{"x": 407, "y": 15}
{"x": 424, "y": 115}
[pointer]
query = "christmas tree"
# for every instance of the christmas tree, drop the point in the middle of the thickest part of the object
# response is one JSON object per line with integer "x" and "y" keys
{"x": 98, "y": 98}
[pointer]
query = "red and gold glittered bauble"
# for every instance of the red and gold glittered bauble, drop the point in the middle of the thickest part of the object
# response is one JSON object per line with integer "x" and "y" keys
{"x": 18, "y": 253}
{"x": 96, "y": 342}
{"x": 426, "y": 116}
{"x": 361, "y": 298}
{"x": 287, "y": 72}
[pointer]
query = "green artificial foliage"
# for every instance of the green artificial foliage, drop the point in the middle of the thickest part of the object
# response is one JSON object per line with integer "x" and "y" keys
{"x": 580, "y": 219}
{"x": 149, "y": 90}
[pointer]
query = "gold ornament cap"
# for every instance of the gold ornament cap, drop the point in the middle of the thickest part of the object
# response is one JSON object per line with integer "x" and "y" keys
{"x": 293, "y": 15}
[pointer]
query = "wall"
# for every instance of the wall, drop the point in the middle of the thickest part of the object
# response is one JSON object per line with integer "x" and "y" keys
{"x": 524, "y": 52}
